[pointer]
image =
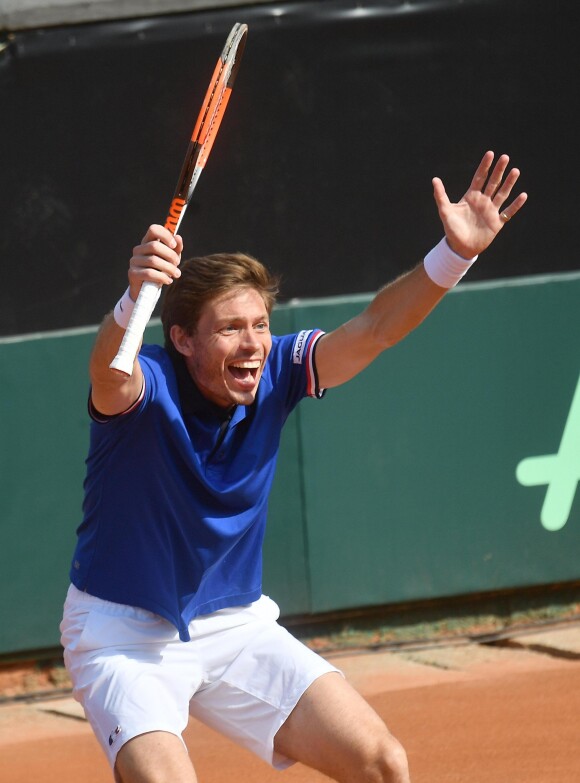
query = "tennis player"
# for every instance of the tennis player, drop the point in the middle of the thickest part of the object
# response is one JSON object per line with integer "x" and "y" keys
{"x": 165, "y": 616}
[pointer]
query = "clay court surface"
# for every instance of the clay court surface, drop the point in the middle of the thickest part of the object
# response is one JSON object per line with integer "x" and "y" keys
{"x": 466, "y": 713}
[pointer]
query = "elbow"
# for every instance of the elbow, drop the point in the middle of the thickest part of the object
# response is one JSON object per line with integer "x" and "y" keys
{"x": 388, "y": 332}
{"x": 393, "y": 331}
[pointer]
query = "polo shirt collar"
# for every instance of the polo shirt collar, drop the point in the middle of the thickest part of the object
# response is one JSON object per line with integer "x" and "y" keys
{"x": 192, "y": 400}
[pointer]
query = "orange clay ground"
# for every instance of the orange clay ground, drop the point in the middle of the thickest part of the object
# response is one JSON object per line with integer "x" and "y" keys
{"x": 466, "y": 713}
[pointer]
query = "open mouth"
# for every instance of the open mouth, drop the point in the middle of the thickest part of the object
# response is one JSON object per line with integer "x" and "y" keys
{"x": 245, "y": 373}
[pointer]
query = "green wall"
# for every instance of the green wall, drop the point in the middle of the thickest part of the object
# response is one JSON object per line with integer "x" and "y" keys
{"x": 426, "y": 477}
{"x": 410, "y": 472}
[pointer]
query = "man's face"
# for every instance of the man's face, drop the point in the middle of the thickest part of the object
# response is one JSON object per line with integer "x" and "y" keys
{"x": 226, "y": 354}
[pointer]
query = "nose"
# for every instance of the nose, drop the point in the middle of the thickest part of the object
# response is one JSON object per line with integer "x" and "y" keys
{"x": 249, "y": 339}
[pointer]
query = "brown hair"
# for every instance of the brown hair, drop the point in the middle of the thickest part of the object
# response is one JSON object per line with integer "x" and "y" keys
{"x": 203, "y": 278}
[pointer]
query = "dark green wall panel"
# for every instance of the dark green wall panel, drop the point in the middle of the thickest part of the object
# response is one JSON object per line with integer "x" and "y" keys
{"x": 422, "y": 500}
{"x": 286, "y": 573}
{"x": 43, "y": 443}
{"x": 401, "y": 485}
{"x": 43, "y": 439}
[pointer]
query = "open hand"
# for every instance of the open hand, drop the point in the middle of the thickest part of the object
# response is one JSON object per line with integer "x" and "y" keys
{"x": 472, "y": 223}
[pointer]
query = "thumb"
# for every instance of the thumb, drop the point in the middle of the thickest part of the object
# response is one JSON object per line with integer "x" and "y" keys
{"x": 439, "y": 193}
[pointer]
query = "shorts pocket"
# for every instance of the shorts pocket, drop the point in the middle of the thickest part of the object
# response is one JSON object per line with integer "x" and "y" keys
{"x": 89, "y": 628}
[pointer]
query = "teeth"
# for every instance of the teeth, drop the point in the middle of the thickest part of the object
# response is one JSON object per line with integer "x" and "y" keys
{"x": 247, "y": 365}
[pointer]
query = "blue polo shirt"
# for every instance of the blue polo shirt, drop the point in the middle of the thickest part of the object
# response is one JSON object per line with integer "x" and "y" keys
{"x": 176, "y": 489}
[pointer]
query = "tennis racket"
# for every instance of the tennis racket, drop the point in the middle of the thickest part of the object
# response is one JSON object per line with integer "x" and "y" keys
{"x": 202, "y": 139}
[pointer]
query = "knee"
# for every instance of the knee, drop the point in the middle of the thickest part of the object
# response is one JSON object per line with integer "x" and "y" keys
{"x": 386, "y": 762}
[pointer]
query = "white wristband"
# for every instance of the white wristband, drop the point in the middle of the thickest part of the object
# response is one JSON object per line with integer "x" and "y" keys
{"x": 123, "y": 310}
{"x": 444, "y": 266}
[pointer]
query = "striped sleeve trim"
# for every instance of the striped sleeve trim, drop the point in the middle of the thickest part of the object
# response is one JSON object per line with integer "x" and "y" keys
{"x": 304, "y": 352}
{"x": 102, "y": 418}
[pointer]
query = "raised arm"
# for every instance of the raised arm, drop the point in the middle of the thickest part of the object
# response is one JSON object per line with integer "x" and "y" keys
{"x": 470, "y": 226}
{"x": 155, "y": 259}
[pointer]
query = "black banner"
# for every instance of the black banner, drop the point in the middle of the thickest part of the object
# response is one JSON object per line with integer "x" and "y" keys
{"x": 341, "y": 115}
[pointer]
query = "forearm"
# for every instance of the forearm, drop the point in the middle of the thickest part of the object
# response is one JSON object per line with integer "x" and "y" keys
{"x": 398, "y": 308}
{"x": 395, "y": 311}
{"x": 402, "y": 305}
{"x": 155, "y": 260}
{"x": 112, "y": 391}
{"x": 107, "y": 342}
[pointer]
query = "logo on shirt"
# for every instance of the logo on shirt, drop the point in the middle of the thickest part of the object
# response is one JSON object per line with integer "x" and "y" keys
{"x": 299, "y": 343}
{"x": 114, "y": 734}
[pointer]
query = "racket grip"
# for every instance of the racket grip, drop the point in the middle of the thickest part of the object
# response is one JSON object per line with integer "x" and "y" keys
{"x": 144, "y": 306}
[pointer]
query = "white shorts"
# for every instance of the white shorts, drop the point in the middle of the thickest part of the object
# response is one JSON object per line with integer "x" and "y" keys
{"x": 241, "y": 673}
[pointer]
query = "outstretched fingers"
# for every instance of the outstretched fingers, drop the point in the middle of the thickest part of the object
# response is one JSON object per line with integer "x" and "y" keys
{"x": 474, "y": 221}
{"x": 494, "y": 184}
{"x": 482, "y": 172}
{"x": 506, "y": 188}
{"x": 497, "y": 186}
{"x": 508, "y": 213}
{"x": 499, "y": 195}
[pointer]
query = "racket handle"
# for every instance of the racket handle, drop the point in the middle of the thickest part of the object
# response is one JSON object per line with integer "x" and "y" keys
{"x": 144, "y": 306}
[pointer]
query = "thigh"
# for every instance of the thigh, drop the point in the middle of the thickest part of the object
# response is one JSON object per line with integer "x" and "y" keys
{"x": 154, "y": 758}
{"x": 129, "y": 671}
{"x": 335, "y": 731}
{"x": 251, "y": 695}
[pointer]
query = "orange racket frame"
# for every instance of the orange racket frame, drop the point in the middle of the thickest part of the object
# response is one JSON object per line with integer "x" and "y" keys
{"x": 200, "y": 145}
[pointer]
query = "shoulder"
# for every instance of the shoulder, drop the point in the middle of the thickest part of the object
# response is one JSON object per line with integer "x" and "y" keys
{"x": 295, "y": 347}
{"x": 291, "y": 362}
{"x": 158, "y": 372}
{"x": 156, "y": 357}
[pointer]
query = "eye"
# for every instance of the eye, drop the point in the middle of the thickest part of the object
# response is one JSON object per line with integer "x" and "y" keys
{"x": 229, "y": 329}
{"x": 263, "y": 326}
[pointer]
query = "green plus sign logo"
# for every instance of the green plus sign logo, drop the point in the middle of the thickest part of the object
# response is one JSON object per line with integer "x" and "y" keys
{"x": 560, "y": 472}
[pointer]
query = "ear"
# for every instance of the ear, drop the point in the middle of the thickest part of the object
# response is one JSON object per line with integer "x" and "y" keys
{"x": 181, "y": 340}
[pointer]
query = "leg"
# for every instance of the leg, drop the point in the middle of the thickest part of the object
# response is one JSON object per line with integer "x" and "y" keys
{"x": 333, "y": 730}
{"x": 156, "y": 757}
